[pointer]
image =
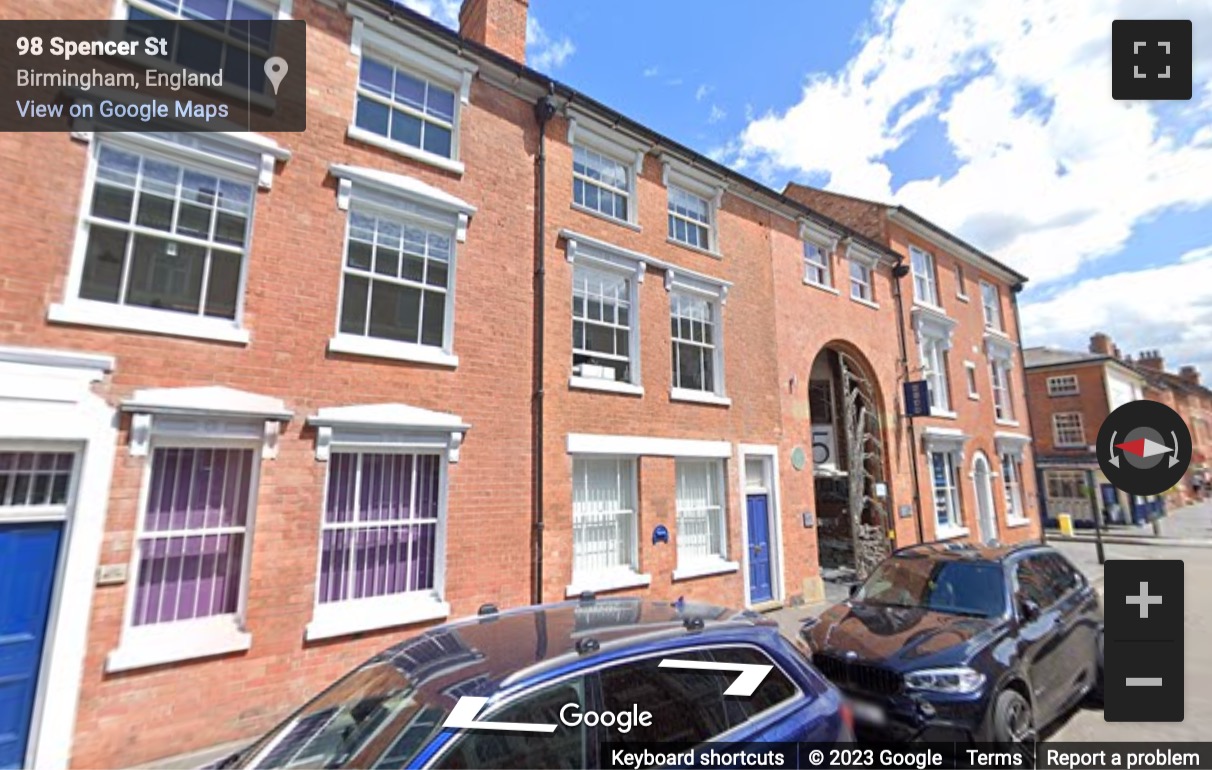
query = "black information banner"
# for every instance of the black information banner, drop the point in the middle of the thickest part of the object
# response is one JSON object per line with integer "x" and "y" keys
{"x": 923, "y": 756}
{"x": 152, "y": 75}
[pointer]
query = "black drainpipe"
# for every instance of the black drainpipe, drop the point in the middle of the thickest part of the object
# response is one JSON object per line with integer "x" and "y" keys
{"x": 1022, "y": 364}
{"x": 544, "y": 109}
{"x": 898, "y": 272}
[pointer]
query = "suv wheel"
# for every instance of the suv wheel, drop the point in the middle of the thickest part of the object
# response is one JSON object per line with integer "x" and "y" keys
{"x": 1012, "y": 720}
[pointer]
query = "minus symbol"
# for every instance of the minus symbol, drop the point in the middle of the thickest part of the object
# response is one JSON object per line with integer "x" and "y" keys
{"x": 1143, "y": 681}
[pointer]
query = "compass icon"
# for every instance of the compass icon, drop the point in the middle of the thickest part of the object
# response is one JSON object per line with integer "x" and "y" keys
{"x": 1144, "y": 447}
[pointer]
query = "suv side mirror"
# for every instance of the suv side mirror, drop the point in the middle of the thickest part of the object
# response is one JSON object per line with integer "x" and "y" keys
{"x": 854, "y": 589}
{"x": 1028, "y": 609}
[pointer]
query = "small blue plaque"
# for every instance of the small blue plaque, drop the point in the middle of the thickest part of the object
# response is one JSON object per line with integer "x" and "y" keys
{"x": 660, "y": 534}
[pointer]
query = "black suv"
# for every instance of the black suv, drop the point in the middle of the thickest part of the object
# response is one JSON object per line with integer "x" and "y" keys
{"x": 954, "y": 642}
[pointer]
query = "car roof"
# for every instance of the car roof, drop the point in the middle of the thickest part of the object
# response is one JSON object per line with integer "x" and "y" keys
{"x": 960, "y": 551}
{"x": 498, "y": 649}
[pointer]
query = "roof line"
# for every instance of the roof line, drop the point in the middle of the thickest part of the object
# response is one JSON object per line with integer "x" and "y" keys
{"x": 401, "y": 13}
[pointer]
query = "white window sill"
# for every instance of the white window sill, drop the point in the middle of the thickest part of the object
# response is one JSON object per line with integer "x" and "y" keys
{"x": 962, "y": 297}
{"x": 698, "y": 397}
{"x": 399, "y": 351}
{"x": 605, "y": 386}
{"x": 945, "y": 414}
{"x": 866, "y": 302}
{"x": 1007, "y": 423}
{"x": 704, "y": 569}
{"x": 382, "y": 142}
{"x": 352, "y": 617}
{"x": 822, "y": 287}
{"x": 929, "y": 306}
{"x": 974, "y": 397}
{"x": 692, "y": 247}
{"x": 608, "y": 581}
{"x": 607, "y": 217}
{"x": 996, "y": 332}
{"x": 165, "y": 322}
{"x": 950, "y": 532}
{"x": 160, "y": 643}
{"x": 1016, "y": 521}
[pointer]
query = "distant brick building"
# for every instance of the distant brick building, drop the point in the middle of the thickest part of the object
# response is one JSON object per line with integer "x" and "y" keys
{"x": 268, "y": 403}
{"x": 1070, "y": 394}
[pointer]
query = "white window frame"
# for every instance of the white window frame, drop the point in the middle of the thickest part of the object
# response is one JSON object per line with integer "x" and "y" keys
{"x": 860, "y": 285}
{"x": 200, "y": 417}
{"x": 970, "y": 376}
{"x": 394, "y": 45}
{"x": 677, "y": 174}
{"x": 991, "y": 306}
{"x": 933, "y": 355}
{"x": 249, "y": 159}
{"x": 955, "y": 514}
{"x": 1011, "y": 447}
{"x": 865, "y": 261}
{"x": 824, "y": 242}
{"x": 693, "y": 565}
{"x": 950, "y": 442}
{"x": 715, "y": 292}
{"x": 1003, "y": 395}
{"x": 584, "y": 132}
{"x": 386, "y": 429}
{"x": 403, "y": 200}
{"x": 925, "y": 277}
{"x": 961, "y": 283}
{"x": 1063, "y": 385}
{"x": 580, "y": 250}
{"x": 620, "y": 576}
{"x": 1078, "y": 427}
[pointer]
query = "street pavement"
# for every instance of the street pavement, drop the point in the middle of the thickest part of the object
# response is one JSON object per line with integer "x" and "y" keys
{"x": 1186, "y": 534}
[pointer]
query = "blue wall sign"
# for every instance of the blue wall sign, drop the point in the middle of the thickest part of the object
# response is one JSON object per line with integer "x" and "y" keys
{"x": 917, "y": 398}
{"x": 660, "y": 534}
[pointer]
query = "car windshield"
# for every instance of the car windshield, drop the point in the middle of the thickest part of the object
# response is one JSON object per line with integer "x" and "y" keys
{"x": 962, "y": 587}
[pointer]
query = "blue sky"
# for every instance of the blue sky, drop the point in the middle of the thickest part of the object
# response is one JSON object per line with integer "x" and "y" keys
{"x": 994, "y": 119}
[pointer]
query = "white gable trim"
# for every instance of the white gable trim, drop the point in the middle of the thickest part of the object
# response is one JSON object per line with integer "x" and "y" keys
{"x": 599, "y": 444}
{"x": 396, "y": 43}
{"x": 358, "y": 182}
{"x": 932, "y": 323}
{"x": 822, "y": 236}
{"x": 679, "y": 173}
{"x": 587, "y": 132}
{"x": 864, "y": 255}
{"x": 208, "y": 413}
{"x": 387, "y": 427}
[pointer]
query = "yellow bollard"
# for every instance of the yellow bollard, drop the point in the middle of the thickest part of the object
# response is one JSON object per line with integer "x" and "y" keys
{"x": 1065, "y": 521}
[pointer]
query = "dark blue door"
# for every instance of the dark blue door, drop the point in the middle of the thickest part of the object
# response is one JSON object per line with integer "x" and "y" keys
{"x": 759, "y": 548}
{"x": 28, "y": 553}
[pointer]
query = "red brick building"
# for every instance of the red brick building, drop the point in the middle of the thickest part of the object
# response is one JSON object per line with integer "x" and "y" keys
{"x": 968, "y": 462}
{"x": 268, "y": 402}
{"x": 1072, "y": 392}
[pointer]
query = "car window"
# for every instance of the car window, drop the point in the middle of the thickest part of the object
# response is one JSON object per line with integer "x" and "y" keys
{"x": 567, "y": 747}
{"x": 964, "y": 587}
{"x": 1033, "y": 582}
{"x": 687, "y": 704}
{"x": 1061, "y": 575}
{"x": 776, "y": 688}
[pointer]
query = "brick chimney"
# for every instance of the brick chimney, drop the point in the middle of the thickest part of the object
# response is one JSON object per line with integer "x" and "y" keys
{"x": 498, "y": 24}
{"x": 1101, "y": 344}
{"x": 1189, "y": 375}
{"x": 1152, "y": 359}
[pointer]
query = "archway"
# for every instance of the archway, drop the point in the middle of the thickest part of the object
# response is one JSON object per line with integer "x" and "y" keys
{"x": 986, "y": 519}
{"x": 849, "y": 473}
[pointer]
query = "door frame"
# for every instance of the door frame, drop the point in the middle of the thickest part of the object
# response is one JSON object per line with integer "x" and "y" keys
{"x": 47, "y": 403}
{"x": 984, "y": 498}
{"x": 769, "y": 454}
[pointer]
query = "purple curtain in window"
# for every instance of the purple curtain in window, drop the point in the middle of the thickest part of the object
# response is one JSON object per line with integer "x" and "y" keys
{"x": 191, "y": 550}
{"x": 385, "y": 543}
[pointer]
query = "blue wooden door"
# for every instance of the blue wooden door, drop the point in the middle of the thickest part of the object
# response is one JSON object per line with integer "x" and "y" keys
{"x": 28, "y": 554}
{"x": 757, "y": 507}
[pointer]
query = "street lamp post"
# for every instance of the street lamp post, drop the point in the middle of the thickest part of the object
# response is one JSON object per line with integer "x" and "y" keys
{"x": 1092, "y": 493}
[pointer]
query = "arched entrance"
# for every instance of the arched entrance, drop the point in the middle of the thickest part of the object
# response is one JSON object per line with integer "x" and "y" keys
{"x": 849, "y": 477}
{"x": 986, "y": 519}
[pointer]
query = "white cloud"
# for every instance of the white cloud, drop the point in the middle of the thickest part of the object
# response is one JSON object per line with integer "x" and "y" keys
{"x": 717, "y": 114}
{"x": 701, "y": 92}
{"x": 1045, "y": 189}
{"x": 442, "y": 11}
{"x": 651, "y": 72}
{"x": 543, "y": 51}
{"x": 1169, "y": 308}
{"x": 1195, "y": 255}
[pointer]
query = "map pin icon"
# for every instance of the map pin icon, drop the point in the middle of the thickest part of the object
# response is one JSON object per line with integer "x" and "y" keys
{"x": 275, "y": 70}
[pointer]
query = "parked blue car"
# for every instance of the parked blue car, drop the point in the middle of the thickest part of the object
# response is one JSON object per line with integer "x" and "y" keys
{"x": 590, "y": 667}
